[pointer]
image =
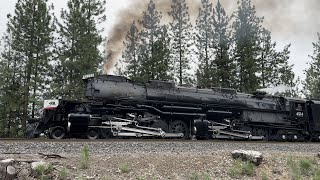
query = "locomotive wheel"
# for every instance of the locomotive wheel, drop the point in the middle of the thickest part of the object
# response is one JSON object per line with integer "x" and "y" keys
{"x": 106, "y": 133}
{"x": 93, "y": 133}
{"x": 57, "y": 132}
{"x": 161, "y": 124}
{"x": 179, "y": 126}
{"x": 262, "y": 132}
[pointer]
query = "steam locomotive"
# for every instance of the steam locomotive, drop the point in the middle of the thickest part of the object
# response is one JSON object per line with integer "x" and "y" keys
{"x": 119, "y": 107}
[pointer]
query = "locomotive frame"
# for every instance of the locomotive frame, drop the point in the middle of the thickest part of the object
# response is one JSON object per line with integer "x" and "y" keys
{"x": 119, "y": 107}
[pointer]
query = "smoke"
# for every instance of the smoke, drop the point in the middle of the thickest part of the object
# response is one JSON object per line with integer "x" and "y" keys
{"x": 286, "y": 19}
{"x": 118, "y": 33}
{"x": 134, "y": 12}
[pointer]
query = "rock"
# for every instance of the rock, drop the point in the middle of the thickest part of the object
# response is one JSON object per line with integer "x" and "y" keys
{"x": 90, "y": 177}
{"x": 253, "y": 156}
{"x": 3, "y": 167}
{"x": 318, "y": 155}
{"x": 276, "y": 171}
{"x": 10, "y": 173}
{"x": 11, "y": 170}
{"x": 6, "y": 162}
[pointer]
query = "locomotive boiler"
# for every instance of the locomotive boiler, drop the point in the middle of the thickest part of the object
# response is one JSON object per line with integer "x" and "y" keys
{"x": 119, "y": 107}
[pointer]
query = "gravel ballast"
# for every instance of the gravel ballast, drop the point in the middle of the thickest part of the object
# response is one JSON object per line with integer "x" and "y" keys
{"x": 160, "y": 159}
{"x": 114, "y": 147}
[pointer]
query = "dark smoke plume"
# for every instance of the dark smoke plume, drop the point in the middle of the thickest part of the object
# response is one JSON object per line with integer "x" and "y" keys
{"x": 134, "y": 12}
{"x": 117, "y": 35}
{"x": 284, "y": 18}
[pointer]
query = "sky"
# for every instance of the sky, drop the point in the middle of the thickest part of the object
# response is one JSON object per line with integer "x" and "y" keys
{"x": 290, "y": 21}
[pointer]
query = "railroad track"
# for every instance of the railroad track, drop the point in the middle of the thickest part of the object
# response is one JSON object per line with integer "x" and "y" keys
{"x": 150, "y": 141}
{"x": 142, "y": 146}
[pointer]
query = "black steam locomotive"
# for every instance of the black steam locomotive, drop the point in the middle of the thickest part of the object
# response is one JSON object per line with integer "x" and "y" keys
{"x": 119, "y": 107}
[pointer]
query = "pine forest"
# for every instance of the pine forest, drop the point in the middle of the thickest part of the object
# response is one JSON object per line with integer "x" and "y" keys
{"x": 44, "y": 55}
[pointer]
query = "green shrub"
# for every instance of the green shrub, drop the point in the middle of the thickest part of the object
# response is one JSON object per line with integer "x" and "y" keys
{"x": 294, "y": 169}
{"x": 264, "y": 176}
{"x": 206, "y": 176}
{"x": 248, "y": 168}
{"x": 42, "y": 171}
{"x": 194, "y": 176}
{"x": 316, "y": 175}
{"x": 305, "y": 166}
{"x": 84, "y": 158}
{"x": 64, "y": 173}
{"x": 241, "y": 168}
{"x": 235, "y": 169}
{"x": 124, "y": 168}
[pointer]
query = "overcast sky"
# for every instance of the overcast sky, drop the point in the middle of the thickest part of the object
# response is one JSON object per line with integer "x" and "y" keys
{"x": 297, "y": 24}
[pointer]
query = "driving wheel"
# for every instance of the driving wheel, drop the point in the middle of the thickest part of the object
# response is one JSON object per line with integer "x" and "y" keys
{"x": 93, "y": 133}
{"x": 179, "y": 126}
{"x": 57, "y": 132}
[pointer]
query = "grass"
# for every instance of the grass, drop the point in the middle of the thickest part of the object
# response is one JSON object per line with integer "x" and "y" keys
{"x": 248, "y": 168}
{"x": 84, "y": 157}
{"x": 264, "y": 176}
{"x": 316, "y": 175}
{"x": 235, "y": 169}
{"x": 206, "y": 176}
{"x": 124, "y": 168}
{"x": 303, "y": 167}
{"x": 241, "y": 168}
{"x": 194, "y": 176}
{"x": 42, "y": 171}
{"x": 64, "y": 173}
{"x": 294, "y": 169}
{"x": 141, "y": 178}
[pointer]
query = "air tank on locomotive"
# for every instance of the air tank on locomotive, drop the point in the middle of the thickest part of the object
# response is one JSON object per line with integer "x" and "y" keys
{"x": 118, "y": 88}
{"x": 113, "y": 88}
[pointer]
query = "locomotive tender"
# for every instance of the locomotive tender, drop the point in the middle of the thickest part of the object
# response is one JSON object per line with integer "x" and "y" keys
{"x": 119, "y": 107}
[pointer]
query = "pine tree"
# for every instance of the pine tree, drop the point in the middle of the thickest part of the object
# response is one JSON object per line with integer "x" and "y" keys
{"x": 32, "y": 32}
{"x": 203, "y": 37}
{"x": 161, "y": 57}
{"x": 285, "y": 74}
{"x": 225, "y": 67}
{"x": 153, "y": 49}
{"x": 130, "y": 54}
{"x": 246, "y": 36}
{"x": 273, "y": 65}
{"x": 11, "y": 88}
{"x": 267, "y": 64}
{"x": 312, "y": 82}
{"x": 79, "y": 53}
{"x": 181, "y": 39}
